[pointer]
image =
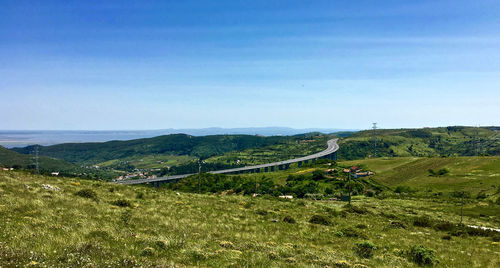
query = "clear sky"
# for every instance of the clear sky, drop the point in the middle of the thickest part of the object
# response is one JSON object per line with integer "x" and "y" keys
{"x": 229, "y": 63}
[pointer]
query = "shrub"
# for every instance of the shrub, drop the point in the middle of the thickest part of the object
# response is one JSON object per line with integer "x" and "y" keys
{"x": 338, "y": 234}
{"x": 261, "y": 212}
{"x": 440, "y": 172}
{"x": 318, "y": 175}
{"x": 496, "y": 238}
{"x": 444, "y": 226}
{"x": 365, "y": 249}
{"x": 122, "y": 203}
{"x": 226, "y": 244}
{"x": 161, "y": 244}
{"x": 498, "y": 200}
{"x": 403, "y": 189}
{"x": 139, "y": 195}
{"x": 421, "y": 255}
{"x": 460, "y": 194}
{"x": 289, "y": 219}
{"x": 398, "y": 224}
{"x": 342, "y": 264}
{"x": 459, "y": 232}
{"x": 320, "y": 219}
{"x": 481, "y": 195}
{"x": 148, "y": 252}
{"x": 126, "y": 217}
{"x": 422, "y": 221}
{"x": 351, "y": 232}
{"x": 355, "y": 209}
{"x": 361, "y": 226}
{"x": 446, "y": 237}
{"x": 87, "y": 193}
{"x": 332, "y": 211}
{"x": 370, "y": 193}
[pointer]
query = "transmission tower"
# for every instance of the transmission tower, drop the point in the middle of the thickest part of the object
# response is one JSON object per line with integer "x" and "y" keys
{"x": 374, "y": 153}
{"x": 35, "y": 158}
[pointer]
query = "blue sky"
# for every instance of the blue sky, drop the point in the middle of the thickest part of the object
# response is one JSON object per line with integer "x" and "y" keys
{"x": 193, "y": 64}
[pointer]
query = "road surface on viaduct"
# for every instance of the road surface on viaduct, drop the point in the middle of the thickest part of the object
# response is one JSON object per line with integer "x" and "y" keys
{"x": 330, "y": 153}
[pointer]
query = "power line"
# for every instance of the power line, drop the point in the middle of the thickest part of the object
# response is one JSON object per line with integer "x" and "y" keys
{"x": 35, "y": 159}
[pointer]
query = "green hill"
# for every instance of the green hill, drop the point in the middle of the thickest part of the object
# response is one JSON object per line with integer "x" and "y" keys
{"x": 444, "y": 141}
{"x": 475, "y": 175}
{"x": 176, "y": 144}
{"x": 47, "y": 165}
{"x": 56, "y": 222}
{"x": 9, "y": 158}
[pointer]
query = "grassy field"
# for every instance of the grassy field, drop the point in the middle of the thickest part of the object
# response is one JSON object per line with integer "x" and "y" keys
{"x": 474, "y": 174}
{"x": 81, "y": 223}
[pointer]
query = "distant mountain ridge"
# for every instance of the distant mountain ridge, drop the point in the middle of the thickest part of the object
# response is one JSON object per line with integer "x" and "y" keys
{"x": 22, "y": 138}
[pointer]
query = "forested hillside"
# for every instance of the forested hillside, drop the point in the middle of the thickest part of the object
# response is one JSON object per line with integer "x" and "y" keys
{"x": 444, "y": 141}
{"x": 176, "y": 144}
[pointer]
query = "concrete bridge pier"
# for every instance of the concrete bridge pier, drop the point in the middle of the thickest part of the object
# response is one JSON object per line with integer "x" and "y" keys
{"x": 287, "y": 166}
{"x": 280, "y": 167}
{"x": 272, "y": 168}
{"x": 299, "y": 164}
{"x": 306, "y": 161}
{"x": 257, "y": 170}
{"x": 266, "y": 169}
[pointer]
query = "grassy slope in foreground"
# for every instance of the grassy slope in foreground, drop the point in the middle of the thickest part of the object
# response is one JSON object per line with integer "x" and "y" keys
{"x": 472, "y": 174}
{"x": 57, "y": 227}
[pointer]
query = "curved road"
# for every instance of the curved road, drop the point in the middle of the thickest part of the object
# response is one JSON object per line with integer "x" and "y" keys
{"x": 330, "y": 151}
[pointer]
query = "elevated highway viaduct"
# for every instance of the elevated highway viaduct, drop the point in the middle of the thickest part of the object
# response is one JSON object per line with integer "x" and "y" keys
{"x": 330, "y": 153}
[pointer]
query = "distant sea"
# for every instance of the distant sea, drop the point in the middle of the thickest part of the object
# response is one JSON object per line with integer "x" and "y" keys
{"x": 22, "y": 138}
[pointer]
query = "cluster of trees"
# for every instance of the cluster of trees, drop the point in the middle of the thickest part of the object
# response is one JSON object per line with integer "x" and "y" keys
{"x": 297, "y": 185}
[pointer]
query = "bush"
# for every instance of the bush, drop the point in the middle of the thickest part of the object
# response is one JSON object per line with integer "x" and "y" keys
{"x": 320, "y": 219}
{"x": 403, "y": 189}
{"x": 370, "y": 193}
{"x": 421, "y": 255}
{"x": 355, "y": 209}
{"x": 122, "y": 203}
{"x": 318, "y": 175}
{"x": 148, "y": 252}
{"x": 161, "y": 244}
{"x": 496, "y": 238}
{"x": 351, "y": 232}
{"x": 87, "y": 193}
{"x": 139, "y": 195}
{"x": 365, "y": 249}
{"x": 342, "y": 264}
{"x": 398, "y": 224}
{"x": 361, "y": 226}
{"x": 261, "y": 212}
{"x": 481, "y": 195}
{"x": 440, "y": 172}
{"x": 289, "y": 219}
{"x": 444, "y": 226}
{"x": 422, "y": 221}
{"x": 446, "y": 237}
